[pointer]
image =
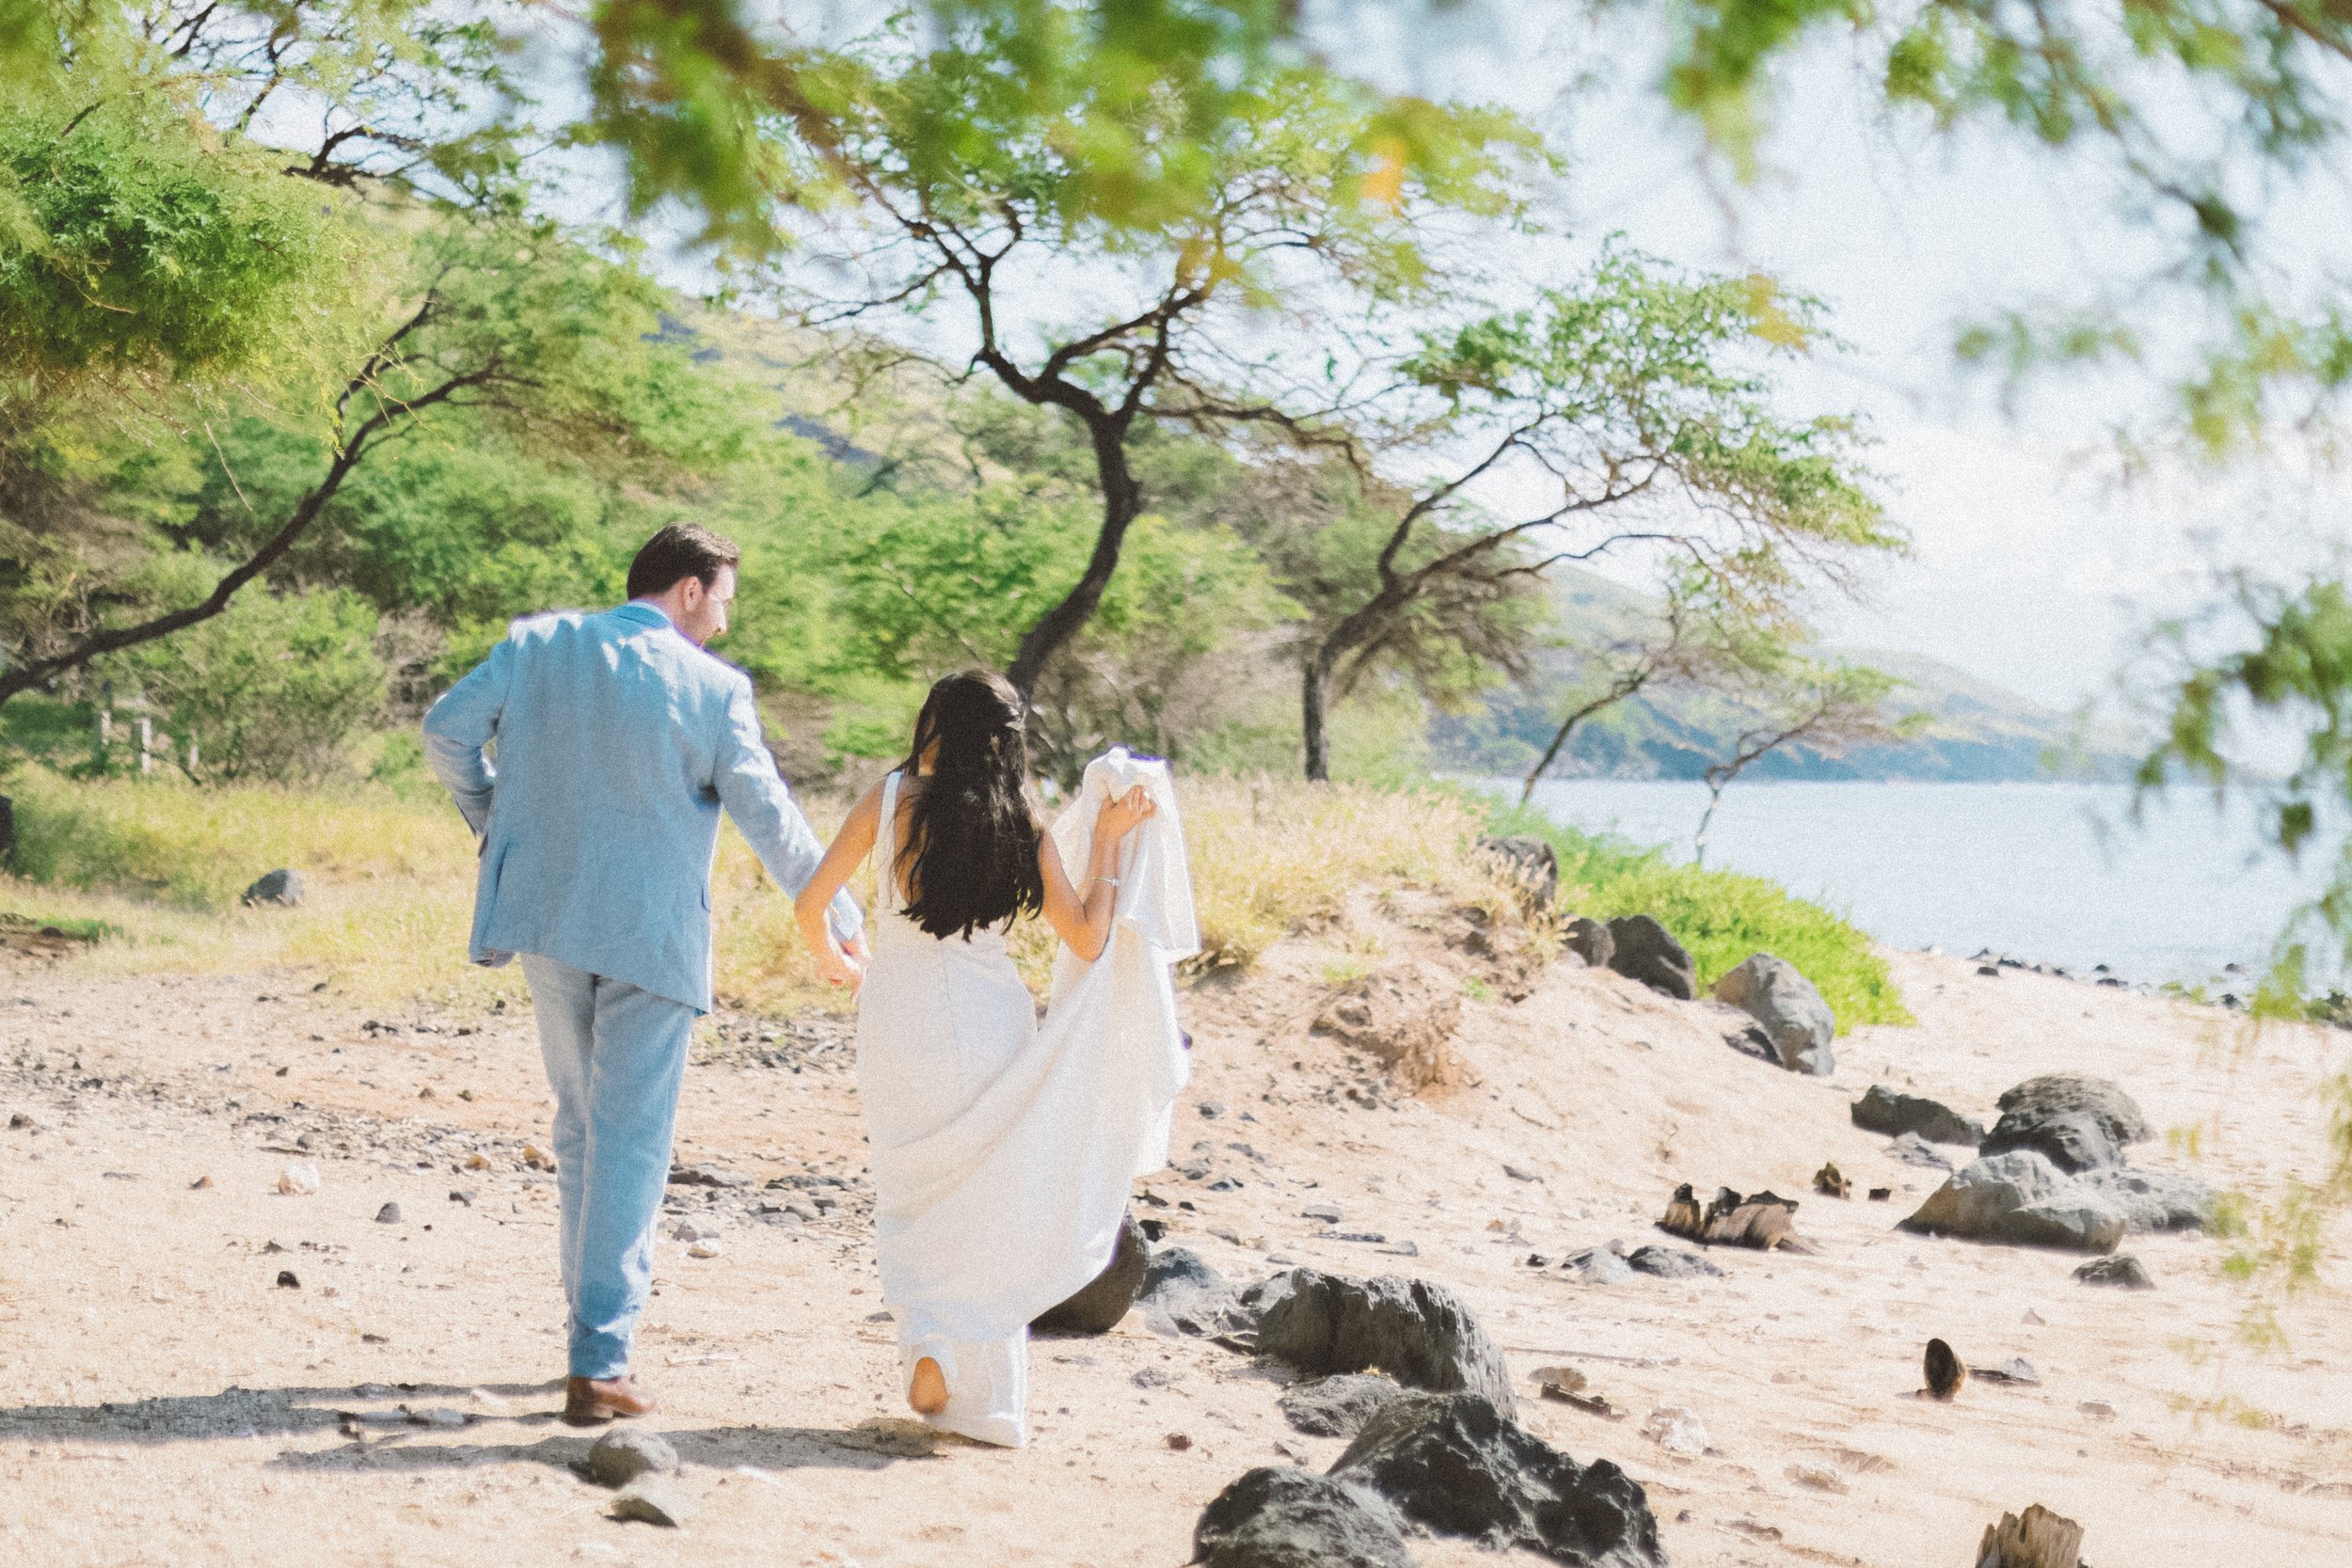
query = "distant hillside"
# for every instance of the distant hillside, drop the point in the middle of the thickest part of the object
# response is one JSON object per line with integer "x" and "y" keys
{"x": 1981, "y": 733}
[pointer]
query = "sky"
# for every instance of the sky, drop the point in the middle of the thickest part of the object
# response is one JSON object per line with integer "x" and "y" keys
{"x": 2036, "y": 562}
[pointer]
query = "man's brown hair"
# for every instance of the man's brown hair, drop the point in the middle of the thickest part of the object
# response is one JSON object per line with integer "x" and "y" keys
{"x": 679, "y": 551}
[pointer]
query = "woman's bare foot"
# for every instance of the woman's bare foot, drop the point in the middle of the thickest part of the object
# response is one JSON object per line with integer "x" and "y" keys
{"x": 928, "y": 1393}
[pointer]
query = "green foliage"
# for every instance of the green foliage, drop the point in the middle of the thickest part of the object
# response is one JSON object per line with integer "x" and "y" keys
{"x": 275, "y": 688}
{"x": 1720, "y": 917}
{"x": 2298, "y": 670}
{"x": 138, "y": 240}
{"x": 1640, "y": 367}
{"x": 948, "y": 585}
{"x": 1124, "y": 118}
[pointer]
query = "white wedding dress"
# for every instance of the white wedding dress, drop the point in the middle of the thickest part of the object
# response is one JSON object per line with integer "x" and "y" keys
{"x": 1003, "y": 1148}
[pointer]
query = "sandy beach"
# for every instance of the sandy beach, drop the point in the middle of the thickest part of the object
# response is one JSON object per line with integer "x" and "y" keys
{"x": 169, "y": 1396}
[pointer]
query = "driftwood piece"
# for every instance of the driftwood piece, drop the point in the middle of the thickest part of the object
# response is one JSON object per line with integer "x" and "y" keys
{"x": 1763, "y": 1220}
{"x": 2038, "y": 1539}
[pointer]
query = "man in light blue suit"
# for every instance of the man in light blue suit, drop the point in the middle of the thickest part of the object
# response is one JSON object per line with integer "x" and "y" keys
{"x": 619, "y": 741}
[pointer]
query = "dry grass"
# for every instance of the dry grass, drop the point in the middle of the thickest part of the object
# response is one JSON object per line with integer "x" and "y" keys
{"x": 390, "y": 881}
{"x": 1269, "y": 857}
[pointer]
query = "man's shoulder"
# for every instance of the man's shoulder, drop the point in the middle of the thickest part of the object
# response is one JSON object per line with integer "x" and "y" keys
{"x": 546, "y": 626}
{"x": 680, "y": 663}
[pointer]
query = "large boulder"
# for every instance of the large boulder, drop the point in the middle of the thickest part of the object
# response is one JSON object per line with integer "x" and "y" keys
{"x": 1419, "y": 1333}
{"x": 1884, "y": 1110}
{"x": 1100, "y": 1304}
{"x": 1290, "y": 1518}
{"x": 1794, "y": 1018}
{"x": 2070, "y": 1140}
{"x": 2152, "y": 1199}
{"x": 1338, "y": 1406}
{"x": 1642, "y": 949}
{"x": 2079, "y": 1122}
{"x": 1456, "y": 1464}
{"x": 1532, "y": 865}
{"x": 2020, "y": 1197}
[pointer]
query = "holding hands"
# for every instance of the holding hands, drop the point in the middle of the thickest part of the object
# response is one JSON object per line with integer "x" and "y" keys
{"x": 840, "y": 963}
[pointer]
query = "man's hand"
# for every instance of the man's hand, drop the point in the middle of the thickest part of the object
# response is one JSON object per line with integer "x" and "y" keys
{"x": 859, "y": 953}
{"x": 837, "y": 968}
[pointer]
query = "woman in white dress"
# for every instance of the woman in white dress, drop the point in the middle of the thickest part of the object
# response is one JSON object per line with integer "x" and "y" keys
{"x": 958, "y": 853}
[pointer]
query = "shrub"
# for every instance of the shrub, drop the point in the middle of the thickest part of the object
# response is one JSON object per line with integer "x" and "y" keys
{"x": 1720, "y": 916}
{"x": 275, "y": 688}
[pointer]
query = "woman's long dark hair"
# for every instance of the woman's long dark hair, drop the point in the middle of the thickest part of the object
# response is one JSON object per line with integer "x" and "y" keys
{"x": 970, "y": 855}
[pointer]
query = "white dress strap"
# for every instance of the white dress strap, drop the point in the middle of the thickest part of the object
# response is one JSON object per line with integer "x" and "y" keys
{"x": 886, "y": 846}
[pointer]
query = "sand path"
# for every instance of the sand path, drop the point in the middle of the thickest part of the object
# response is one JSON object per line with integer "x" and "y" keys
{"x": 164, "y": 1398}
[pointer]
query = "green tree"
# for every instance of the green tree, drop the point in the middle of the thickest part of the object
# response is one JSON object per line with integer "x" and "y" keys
{"x": 951, "y": 583}
{"x": 965, "y": 187}
{"x": 1798, "y": 699}
{"x": 1634, "y": 400}
{"x": 531, "y": 338}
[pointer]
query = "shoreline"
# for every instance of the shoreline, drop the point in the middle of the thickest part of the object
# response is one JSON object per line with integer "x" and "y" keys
{"x": 2174, "y": 899}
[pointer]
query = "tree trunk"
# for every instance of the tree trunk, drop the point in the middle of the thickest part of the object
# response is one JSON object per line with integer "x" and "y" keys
{"x": 1698, "y": 841}
{"x": 1314, "y": 688}
{"x": 1122, "y": 502}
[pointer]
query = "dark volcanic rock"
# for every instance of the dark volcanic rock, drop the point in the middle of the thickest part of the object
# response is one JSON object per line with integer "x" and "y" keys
{"x": 652, "y": 1501}
{"x": 1289, "y": 1518}
{"x": 1599, "y": 1265}
{"x": 1336, "y": 1406}
{"x": 1098, "y": 1306}
{"x": 1454, "y": 1463}
{"x": 1589, "y": 940}
{"x": 1531, "y": 863}
{"x": 625, "y": 1453}
{"x": 1183, "y": 1295}
{"x": 2154, "y": 1200}
{"x": 1643, "y": 951}
{"x": 1419, "y": 1333}
{"x": 1795, "y": 1018}
{"x": 1882, "y": 1110}
{"x": 2079, "y": 1122}
{"x": 2020, "y": 1197}
{"x": 1913, "y": 1149}
{"x": 1673, "y": 1263}
{"x": 2122, "y": 1270}
{"x": 279, "y": 888}
{"x": 2070, "y": 1140}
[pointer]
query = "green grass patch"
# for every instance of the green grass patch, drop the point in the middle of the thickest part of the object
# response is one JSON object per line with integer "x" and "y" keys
{"x": 186, "y": 847}
{"x": 1720, "y": 917}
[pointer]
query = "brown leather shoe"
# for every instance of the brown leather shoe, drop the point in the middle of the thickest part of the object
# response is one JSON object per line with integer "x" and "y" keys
{"x": 593, "y": 1401}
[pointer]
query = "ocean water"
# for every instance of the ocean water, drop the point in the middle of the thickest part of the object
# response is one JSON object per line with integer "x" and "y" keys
{"x": 2050, "y": 873}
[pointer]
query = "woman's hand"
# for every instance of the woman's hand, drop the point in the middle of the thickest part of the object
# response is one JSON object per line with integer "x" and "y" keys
{"x": 1120, "y": 813}
{"x": 836, "y": 967}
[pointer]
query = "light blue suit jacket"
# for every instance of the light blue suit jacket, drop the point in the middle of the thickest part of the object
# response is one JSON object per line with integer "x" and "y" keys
{"x": 619, "y": 741}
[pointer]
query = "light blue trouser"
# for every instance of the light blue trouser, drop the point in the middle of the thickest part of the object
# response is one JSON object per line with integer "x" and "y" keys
{"x": 615, "y": 1055}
